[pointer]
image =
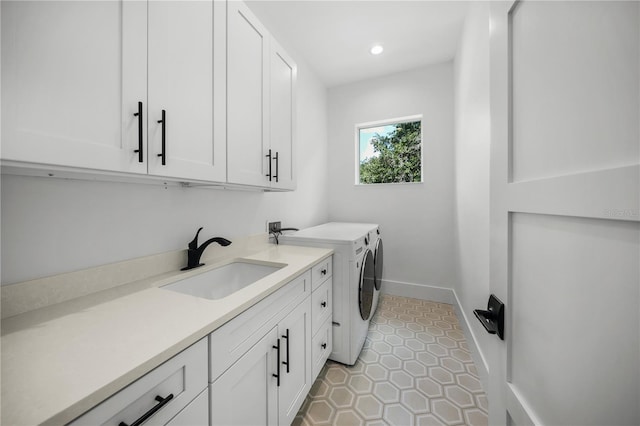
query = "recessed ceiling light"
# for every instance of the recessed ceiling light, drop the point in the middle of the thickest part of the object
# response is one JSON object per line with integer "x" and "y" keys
{"x": 376, "y": 50}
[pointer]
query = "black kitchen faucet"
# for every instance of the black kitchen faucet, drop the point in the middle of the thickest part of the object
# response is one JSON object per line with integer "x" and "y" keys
{"x": 194, "y": 253}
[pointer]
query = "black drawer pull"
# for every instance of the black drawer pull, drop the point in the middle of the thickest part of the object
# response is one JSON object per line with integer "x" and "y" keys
{"x": 323, "y": 272}
{"x": 139, "y": 150}
{"x": 161, "y": 403}
{"x": 286, "y": 336}
{"x": 163, "y": 154}
{"x": 323, "y": 304}
{"x": 269, "y": 157}
{"x": 277, "y": 376}
{"x": 276, "y": 175}
{"x": 324, "y": 346}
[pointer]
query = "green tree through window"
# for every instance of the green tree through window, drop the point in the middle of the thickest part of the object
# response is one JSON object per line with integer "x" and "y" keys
{"x": 394, "y": 154}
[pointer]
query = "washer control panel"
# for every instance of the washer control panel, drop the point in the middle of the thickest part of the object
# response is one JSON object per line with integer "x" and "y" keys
{"x": 360, "y": 246}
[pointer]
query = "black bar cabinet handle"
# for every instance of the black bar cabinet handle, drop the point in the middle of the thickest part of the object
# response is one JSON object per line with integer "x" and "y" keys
{"x": 161, "y": 403}
{"x": 164, "y": 146}
{"x": 276, "y": 175}
{"x": 277, "y": 376}
{"x": 139, "y": 115}
{"x": 269, "y": 157}
{"x": 286, "y": 336}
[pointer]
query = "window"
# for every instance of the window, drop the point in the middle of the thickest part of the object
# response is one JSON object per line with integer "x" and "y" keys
{"x": 390, "y": 151}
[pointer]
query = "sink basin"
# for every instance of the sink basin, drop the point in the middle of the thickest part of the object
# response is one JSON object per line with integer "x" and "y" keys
{"x": 222, "y": 281}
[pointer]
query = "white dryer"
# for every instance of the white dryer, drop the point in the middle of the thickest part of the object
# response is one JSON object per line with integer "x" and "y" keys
{"x": 354, "y": 281}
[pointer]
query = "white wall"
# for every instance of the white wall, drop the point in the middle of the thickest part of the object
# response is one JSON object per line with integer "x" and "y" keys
{"x": 416, "y": 219}
{"x": 472, "y": 148}
{"x": 50, "y": 226}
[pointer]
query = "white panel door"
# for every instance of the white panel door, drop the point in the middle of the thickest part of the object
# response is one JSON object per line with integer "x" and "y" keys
{"x": 565, "y": 206}
{"x": 72, "y": 76}
{"x": 283, "y": 75}
{"x": 181, "y": 78}
{"x": 295, "y": 338}
{"x": 247, "y": 393}
{"x": 247, "y": 96}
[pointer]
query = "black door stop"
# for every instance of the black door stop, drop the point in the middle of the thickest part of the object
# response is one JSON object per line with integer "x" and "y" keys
{"x": 493, "y": 318}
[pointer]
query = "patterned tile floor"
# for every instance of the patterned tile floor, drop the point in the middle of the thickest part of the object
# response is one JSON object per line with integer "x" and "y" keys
{"x": 415, "y": 369}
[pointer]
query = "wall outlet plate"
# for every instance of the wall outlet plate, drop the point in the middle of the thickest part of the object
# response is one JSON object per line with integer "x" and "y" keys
{"x": 275, "y": 226}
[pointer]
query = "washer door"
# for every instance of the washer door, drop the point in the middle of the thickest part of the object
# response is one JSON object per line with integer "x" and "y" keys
{"x": 367, "y": 285}
{"x": 377, "y": 261}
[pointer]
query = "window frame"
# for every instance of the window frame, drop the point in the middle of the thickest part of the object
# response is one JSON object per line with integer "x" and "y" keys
{"x": 386, "y": 122}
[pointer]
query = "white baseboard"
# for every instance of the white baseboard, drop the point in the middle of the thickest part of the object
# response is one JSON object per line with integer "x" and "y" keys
{"x": 419, "y": 291}
{"x": 478, "y": 357}
{"x": 449, "y": 296}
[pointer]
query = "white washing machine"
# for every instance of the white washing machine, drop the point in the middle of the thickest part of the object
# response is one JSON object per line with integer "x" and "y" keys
{"x": 355, "y": 288}
{"x": 378, "y": 263}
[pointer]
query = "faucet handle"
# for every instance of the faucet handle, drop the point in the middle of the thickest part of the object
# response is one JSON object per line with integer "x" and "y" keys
{"x": 193, "y": 245}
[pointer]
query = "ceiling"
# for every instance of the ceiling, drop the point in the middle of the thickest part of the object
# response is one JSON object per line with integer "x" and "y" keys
{"x": 334, "y": 37}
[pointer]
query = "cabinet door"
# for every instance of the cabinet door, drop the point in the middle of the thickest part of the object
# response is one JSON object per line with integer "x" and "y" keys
{"x": 282, "y": 110}
{"x": 181, "y": 76}
{"x": 247, "y": 393}
{"x": 295, "y": 335}
{"x": 72, "y": 76}
{"x": 247, "y": 104}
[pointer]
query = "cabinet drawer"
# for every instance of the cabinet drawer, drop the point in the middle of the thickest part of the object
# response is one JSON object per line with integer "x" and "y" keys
{"x": 321, "y": 305}
{"x": 228, "y": 343}
{"x": 196, "y": 413}
{"x": 321, "y": 347}
{"x": 321, "y": 272}
{"x": 184, "y": 376}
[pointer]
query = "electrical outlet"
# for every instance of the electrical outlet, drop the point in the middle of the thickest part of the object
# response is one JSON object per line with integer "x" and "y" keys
{"x": 275, "y": 226}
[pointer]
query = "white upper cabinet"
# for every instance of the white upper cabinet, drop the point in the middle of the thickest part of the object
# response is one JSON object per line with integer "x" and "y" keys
{"x": 247, "y": 106}
{"x": 72, "y": 76}
{"x": 75, "y": 78}
{"x": 188, "y": 90}
{"x": 181, "y": 78}
{"x": 261, "y": 81}
{"x": 282, "y": 109}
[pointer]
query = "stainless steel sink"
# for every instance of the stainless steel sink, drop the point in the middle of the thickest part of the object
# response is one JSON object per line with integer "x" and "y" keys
{"x": 223, "y": 281}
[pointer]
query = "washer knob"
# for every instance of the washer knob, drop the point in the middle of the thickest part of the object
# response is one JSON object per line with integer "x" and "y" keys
{"x": 378, "y": 231}
{"x": 366, "y": 241}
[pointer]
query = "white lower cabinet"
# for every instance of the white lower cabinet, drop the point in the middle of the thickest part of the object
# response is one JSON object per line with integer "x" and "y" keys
{"x": 247, "y": 393}
{"x": 295, "y": 365}
{"x": 194, "y": 414}
{"x": 258, "y": 389}
{"x": 259, "y": 367}
{"x": 269, "y": 382}
{"x": 321, "y": 347}
{"x": 321, "y": 316}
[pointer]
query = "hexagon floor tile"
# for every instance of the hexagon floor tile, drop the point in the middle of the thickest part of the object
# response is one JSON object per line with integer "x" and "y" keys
{"x": 416, "y": 369}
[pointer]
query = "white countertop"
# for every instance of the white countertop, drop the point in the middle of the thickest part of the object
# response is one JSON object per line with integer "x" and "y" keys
{"x": 60, "y": 361}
